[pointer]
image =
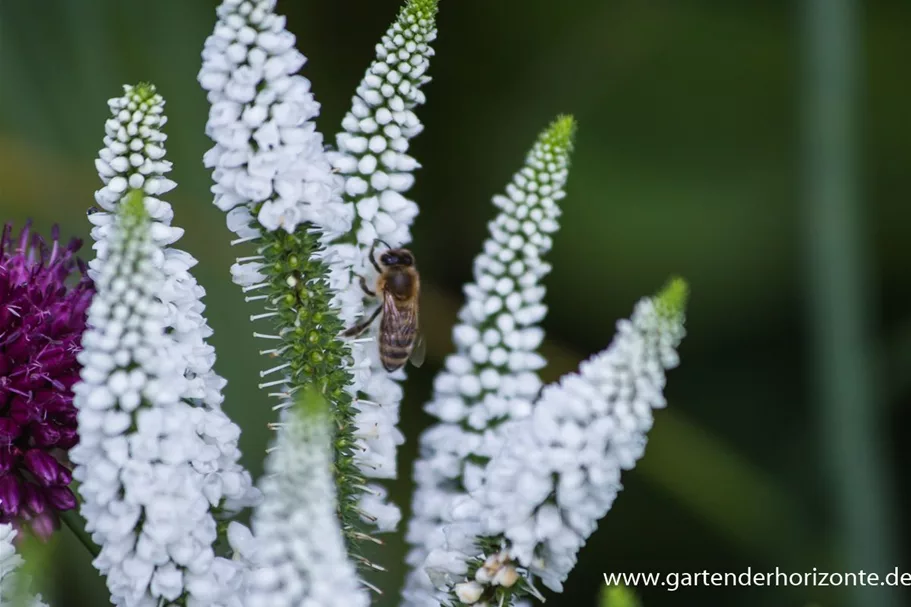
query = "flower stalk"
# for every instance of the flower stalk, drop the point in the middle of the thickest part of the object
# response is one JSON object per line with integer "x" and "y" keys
{"x": 77, "y": 527}
{"x": 269, "y": 170}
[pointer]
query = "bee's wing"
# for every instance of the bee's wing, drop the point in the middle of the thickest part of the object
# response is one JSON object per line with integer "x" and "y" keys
{"x": 420, "y": 349}
{"x": 395, "y": 322}
{"x": 399, "y": 326}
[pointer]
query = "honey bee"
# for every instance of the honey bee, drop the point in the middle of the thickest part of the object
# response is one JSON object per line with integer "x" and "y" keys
{"x": 399, "y": 287}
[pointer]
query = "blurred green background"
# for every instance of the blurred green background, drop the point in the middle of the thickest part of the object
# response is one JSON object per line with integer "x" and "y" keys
{"x": 714, "y": 142}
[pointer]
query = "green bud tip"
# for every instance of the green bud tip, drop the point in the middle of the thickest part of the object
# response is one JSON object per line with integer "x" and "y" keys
{"x": 671, "y": 300}
{"x": 144, "y": 91}
{"x": 619, "y": 596}
{"x": 559, "y": 135}
{"x": 420, "y": 8}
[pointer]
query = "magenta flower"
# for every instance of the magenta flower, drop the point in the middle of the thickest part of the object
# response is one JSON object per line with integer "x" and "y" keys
{"x": 44, "y": 295}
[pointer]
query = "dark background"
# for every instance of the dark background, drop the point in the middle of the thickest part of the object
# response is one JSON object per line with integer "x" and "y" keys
{"x": 691, "y": 159}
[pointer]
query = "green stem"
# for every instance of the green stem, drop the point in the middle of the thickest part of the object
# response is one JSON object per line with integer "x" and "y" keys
{"x": 840, "y": 306}
{"x": 75, "y": 525}
{"x": 309, "y": 329}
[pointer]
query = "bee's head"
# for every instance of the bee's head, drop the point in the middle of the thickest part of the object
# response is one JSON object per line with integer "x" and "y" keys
{"x": 397, "y": 257}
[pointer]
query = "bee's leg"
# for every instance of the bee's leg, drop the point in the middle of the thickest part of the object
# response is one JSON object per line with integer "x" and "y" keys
{"x": 362, "y": 326}
{"x": 365, "y": 288}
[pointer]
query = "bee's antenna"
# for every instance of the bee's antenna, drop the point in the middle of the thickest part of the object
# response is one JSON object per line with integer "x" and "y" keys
{"x": 372, "y": 258}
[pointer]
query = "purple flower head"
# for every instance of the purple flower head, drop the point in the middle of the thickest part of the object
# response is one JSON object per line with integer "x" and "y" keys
{"x": 44, "y": 295}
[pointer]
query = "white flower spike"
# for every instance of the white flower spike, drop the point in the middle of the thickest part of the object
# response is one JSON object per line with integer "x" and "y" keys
{"x": 372, "y": 149}
{"x": 372, "y": 157}
{"x": 268, "y": 157}
{"x": 492, "y": 377}
{"x": 134, "y": 157}
{"x": 141, "y": 460}
{"x": 261, "y": 123}
{"x": 298, "y": 556}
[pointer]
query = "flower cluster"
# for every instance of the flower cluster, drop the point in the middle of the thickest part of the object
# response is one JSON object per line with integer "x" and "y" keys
{"x": 42, "y": 317}
{"x": 492, "y": 376}
{"x": 372, "y": 157}
{"x": 260, "y": 123}
{"x": 372, "y": 149}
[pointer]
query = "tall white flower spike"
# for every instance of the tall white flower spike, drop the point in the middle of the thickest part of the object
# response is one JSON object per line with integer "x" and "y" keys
{"x": 298, "y": 555}
{"x": 492, "y": 377}
{"x": 372, "y": 149}
{"x": 134, "y": 158}
{"x": 372, "y": 155}
{"x": 141, "y": 460}
{"x": 268, "y": 157}
{"x": 12, "y": 583}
